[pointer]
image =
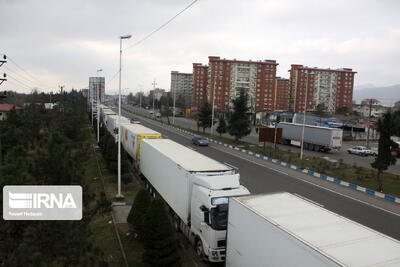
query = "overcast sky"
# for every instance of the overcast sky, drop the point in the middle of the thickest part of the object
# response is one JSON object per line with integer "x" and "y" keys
{"x": 65, "y": 42}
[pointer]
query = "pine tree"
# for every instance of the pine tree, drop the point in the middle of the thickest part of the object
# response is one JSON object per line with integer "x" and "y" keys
{"x": 221, "y": 126}
{"x": 205, "y": 115}
{"x": 159, "y": 239}
{"x": 239, "y": 123}
{"x": 138, "y": 211}
{"x": 385, "y": 157}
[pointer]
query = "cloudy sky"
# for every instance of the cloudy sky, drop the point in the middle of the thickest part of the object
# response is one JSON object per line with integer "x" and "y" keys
{"x": 64, "y": 42}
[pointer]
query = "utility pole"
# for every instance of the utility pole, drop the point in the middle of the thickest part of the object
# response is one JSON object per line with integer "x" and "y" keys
{"x": 173, "y": 115}
{"x": 369, "y": 121}
{"x": 1, "y": 64}
{"x": 276, "y": 114}
{"x": 98, "y": 104}
{"x": 304, "y": 120}
{"x": 61, "y": 94}
{"x": 154, "y": 91}
{"x": 212, "y": 112}
{"x": 2, "y": 96}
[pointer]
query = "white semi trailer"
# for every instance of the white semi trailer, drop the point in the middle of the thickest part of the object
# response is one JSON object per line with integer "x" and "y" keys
{"x": 282, "y": 229}
{"x": 131, "y": 137}
{"x": 111, "y": 122}
{"x": 196, "y": 189}
{"x": 316, "y": 138}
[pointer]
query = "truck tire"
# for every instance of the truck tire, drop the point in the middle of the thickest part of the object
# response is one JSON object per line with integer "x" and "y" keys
{"x": 177, "y": 223}
{"x": 199, "y": 249}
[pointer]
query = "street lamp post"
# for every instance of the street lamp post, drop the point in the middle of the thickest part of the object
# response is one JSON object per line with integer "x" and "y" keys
{"x": 173, "y": 115}
{"x": 154, "y": 92}
{"x": 212, "y": 112}
{"x": 119, "y": 195}
{"x": 304, "y": 119}
{"x": 98, "y": 106}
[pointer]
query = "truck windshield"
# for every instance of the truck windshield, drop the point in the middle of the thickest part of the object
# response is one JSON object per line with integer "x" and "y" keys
{"x": 219, "y": 217}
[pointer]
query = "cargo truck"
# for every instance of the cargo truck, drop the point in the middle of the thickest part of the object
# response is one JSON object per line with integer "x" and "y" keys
{"x": 196, "y": 190}
{"x": 282, "y": 229}
{"x": 316, "y": 138}
{"x": 132, "y": 134}
{"x": 111, "y": 122}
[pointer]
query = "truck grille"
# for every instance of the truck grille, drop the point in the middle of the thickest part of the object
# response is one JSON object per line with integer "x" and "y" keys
{"x": 221, "y": 243}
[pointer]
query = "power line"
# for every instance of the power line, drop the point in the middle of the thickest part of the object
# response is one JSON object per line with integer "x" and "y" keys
{"x": 162, "y": 26}
{"x": 19, "y": 75}
{"x": 28, "y": 74}
{"x": 20, "y": 83}
{"x": 155, "y": 31}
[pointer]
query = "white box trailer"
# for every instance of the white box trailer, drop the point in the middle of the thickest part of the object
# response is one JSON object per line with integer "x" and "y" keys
{"x": 111, "y": 122}
{"x": 285, "y": 230}
{"x": 106, "y": 111}
{"x": 196, "y": 188}
{"x": 316, "y": 138}
{"x": 132, "y": 134}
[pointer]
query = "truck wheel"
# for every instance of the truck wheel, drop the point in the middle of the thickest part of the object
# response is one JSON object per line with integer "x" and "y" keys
{"x": 199, "y": 249}
{"x": 177, "y": 223}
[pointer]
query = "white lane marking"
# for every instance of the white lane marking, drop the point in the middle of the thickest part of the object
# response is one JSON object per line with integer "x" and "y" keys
{"x": 316, "y": 203}
{"x": 327, "y": 189}
{"x": 299, "y": 179}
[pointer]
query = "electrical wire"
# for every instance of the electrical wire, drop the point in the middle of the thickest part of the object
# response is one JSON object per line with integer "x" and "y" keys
{"x": 162, "y": 26}
{"x": 27, "y": 73}
{"x": 20, "y": 83}
{"x": 155, "y": 31}
{"x": 19, "y": 75}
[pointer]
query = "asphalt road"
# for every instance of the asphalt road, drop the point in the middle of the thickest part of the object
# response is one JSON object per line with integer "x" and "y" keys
{"x": 253, "y": 138}
{"x": 264, "y": 177}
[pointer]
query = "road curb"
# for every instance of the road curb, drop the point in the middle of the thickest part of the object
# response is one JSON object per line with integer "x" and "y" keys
{"x": 291, "y": 166}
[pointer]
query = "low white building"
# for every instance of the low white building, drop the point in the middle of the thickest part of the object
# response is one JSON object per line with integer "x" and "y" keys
{"x": 377, "y": 110}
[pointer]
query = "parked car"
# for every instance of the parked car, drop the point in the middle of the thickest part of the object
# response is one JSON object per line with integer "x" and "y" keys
{"x": 374, "y": 151}
{"x": 200, "y": 141}
{"x": 158, "y": 115}
{"x": 359, "y": 150}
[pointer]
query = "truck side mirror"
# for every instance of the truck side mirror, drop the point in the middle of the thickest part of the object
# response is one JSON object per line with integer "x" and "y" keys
{"x": 207, "y": 217}
{"x": 206, "y": 214}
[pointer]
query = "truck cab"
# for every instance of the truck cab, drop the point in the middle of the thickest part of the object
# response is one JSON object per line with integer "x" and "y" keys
{"x": 209, "y": 213}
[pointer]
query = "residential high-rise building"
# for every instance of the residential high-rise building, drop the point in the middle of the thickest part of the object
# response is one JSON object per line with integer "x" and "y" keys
{"x": 182, "y": 85}
{"x": 226, "y": 78}
{"x": 158, "y": 93}
{"x": 283, "y": 92}
{"x": 332, "y": 88}
{"x": 200, "y": 78}
{"x": 96, "y": 88}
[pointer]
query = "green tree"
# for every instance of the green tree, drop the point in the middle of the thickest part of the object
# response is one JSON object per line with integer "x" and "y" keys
{"x": 138, "y": 212}
{"x": 342, "y": 110}
{"x": 221, "y": 126}
{"x": 385, "y": 158}
{"x": 204, "y": 116}
{"x": 239, "y": 124}
{"x": 159, "y": 238}
{"x": 320, "y": 109}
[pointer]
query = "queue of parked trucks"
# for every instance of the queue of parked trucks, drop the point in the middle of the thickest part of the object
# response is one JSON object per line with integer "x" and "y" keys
{"x": 225, "y": 223}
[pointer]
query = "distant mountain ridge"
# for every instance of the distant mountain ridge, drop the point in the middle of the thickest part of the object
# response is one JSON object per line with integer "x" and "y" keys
{"x": 388, "y": 95}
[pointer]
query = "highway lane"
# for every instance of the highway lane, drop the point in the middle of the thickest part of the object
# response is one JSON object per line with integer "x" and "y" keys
{"x": 263, "y": 179}
{"x": 253, "y": 138}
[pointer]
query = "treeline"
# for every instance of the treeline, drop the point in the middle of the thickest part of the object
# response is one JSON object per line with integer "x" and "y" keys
{"x": 48, "y": 147}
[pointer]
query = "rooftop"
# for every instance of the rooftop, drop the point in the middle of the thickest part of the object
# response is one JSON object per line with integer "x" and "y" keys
{"x": 7, "y": 107}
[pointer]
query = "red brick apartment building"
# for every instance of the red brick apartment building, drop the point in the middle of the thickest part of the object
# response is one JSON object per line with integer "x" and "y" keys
{"x": 200, "y": 78}
{"x": 227, "y": 77}
{"x": 283, "y": 93}
{"x": 331, "y": 87}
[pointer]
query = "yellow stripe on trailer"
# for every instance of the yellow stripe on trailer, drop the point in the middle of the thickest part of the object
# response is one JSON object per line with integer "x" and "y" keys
{"x": 146, "y": 136}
